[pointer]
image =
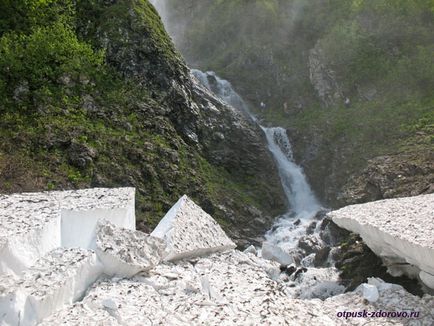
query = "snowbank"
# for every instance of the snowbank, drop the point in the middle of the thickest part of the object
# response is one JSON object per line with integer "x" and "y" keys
{"x": 190, "y": 232}
{"x": 153, "y": 284}
{"x": 401, "y": 231}
{"x": 229, "y": 288}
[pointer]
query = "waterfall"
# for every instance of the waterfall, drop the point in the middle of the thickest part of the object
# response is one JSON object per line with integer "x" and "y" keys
{"x": 297, "y": 190}
{"x": 223, "y": 89}
{"x": 294, "y": 232}
{"x": 299, "y": 195}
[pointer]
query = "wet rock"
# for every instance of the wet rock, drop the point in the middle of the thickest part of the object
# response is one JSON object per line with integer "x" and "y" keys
{"x": 299, "y": 271}
{"x": 321, "y": 215}
{"x": 310, "y": 244}
{"x": 321, "y": 256}
{"x": 311, "y": 228}
{"x": 288, "y": 270}
{"x": 332, "y": 234}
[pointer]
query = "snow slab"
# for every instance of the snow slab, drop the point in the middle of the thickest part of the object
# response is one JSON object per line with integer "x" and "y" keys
{"x": 189, "y": 231}
{"x": 399, "y": 230}
{"x": 125, "y": 252}
{"x": 82, "y": 209}
{"x": 59, "y": 278}
{"x": 32, "y": 224}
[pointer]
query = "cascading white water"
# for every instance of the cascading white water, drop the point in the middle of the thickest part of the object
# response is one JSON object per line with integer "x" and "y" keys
{"x": 298, "y": 192}
{"x": 223, "y": 89}
{"x": 300, "y": 197}
{"x": 302, "y": 201}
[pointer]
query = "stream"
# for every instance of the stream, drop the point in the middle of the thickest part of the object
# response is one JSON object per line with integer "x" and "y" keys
{"x": 296, "y": 239}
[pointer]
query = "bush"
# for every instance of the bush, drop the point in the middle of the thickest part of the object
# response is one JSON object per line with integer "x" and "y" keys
{"x": 36, "y": 61}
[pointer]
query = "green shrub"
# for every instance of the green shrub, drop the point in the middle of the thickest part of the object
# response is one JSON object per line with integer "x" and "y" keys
{"x": 37, "y": 61}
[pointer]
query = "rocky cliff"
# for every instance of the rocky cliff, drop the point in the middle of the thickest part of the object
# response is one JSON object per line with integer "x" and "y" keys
{"x": 95, "y": 94}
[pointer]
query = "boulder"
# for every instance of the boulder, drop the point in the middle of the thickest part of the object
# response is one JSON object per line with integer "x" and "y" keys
{"x": 310, "y": 244}
{"x": 189, "y": 231}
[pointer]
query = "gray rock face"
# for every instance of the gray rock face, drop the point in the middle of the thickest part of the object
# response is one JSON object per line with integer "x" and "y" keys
{"x": 323, "y": 78}
{"x": 216, "y": 131}
{"x": 404, "y": 174}
{"x": 190, "y": 232}
{"x": 401, "y": 231}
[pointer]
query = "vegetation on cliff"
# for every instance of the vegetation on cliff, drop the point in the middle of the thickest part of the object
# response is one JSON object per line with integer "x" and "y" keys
{"x": 93, "y": 93}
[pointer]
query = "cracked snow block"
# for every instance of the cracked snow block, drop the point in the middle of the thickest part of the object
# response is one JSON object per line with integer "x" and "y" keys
{"x": 29, "y": 228}
{"x": 57, "y": 279}
{"x": 82, "y": 209}
{"x": 125, "y": 252}
{"x": 399, "y": 230}
{"x": 188, "y": 232}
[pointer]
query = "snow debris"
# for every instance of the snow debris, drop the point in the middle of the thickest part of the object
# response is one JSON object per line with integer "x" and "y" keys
{"x": 186, "y": 272}
{"x": 190, "y": 232}
{"x": 273, "y": 252}
{"x": 370, "y": 292}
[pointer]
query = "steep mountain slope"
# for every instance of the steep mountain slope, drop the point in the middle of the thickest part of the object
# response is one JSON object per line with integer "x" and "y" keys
{"x": 93, "y": 93}
{"x": 351, "y": 80}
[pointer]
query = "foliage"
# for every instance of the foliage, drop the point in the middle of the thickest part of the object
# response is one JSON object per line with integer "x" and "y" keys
{"x": 37, "y": 61}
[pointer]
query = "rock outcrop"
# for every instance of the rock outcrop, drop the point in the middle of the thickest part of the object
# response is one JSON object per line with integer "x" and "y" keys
{"x": 399, "y": 230}
{"x": 323, "y": 79}
{"x": 399, "y": 175}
